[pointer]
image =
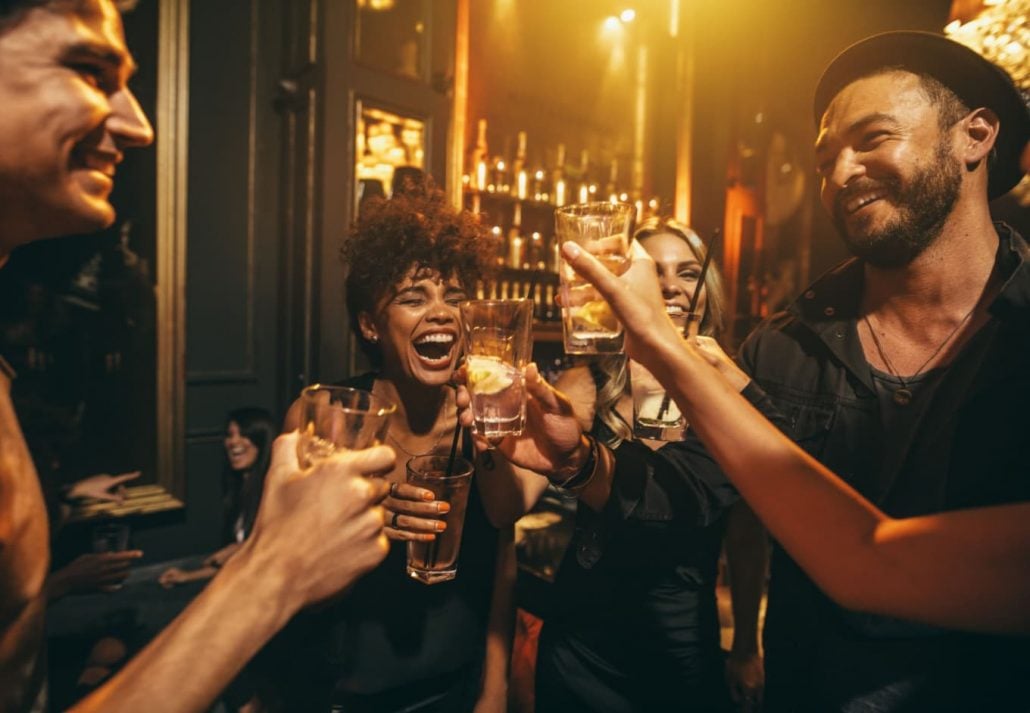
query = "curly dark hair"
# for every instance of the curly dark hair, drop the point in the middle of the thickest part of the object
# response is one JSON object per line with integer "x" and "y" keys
{"x": 418, "y": 229}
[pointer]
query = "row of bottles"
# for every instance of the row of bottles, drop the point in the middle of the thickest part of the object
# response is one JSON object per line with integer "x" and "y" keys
{"x": 540, "y": 288}
{"x": 562, "y": 185}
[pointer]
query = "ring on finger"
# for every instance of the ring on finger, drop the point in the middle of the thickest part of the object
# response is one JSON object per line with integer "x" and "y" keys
{"x": 393, "y": 520}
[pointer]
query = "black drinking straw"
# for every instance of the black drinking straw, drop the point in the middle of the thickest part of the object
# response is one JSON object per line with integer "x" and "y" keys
{"x": 666, "y": 400}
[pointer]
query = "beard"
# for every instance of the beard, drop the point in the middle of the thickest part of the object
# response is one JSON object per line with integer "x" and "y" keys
{"x": 923, "y": 206}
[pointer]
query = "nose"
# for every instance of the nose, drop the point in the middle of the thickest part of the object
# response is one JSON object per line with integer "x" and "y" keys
{"x": 846, "y": 167}
{"x": 127, "y": 122}
{"x": 442, "y": 313}
{"x": 670, "y": 285}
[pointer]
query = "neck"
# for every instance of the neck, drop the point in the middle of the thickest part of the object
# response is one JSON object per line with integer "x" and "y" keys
{"x": 419, "y": 406}
{"x": 944, "y": 281}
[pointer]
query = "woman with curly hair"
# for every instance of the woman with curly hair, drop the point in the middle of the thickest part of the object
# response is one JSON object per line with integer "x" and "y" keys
{"x": 395, "y": 644}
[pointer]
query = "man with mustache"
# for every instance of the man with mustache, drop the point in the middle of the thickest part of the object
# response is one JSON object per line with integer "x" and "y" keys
{"x": 68, "y": 115}
{"x": 904, "y": 368}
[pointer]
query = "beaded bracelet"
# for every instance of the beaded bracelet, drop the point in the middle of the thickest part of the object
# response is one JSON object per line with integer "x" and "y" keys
{"x": 585, "y": 474}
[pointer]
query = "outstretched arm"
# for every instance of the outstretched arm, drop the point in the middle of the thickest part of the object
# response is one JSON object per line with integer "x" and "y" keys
{"x": 316, "y": 532}
{"x": 854, "y": 552}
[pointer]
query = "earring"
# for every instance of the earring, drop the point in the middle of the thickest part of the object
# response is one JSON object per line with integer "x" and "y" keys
{"x": 374, "y": 338}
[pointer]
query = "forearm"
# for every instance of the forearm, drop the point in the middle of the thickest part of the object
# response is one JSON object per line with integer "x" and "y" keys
{"x": 747, "y": 558}
{"x": 851, "y": 549}
{"x": 195, "y": 657}
{"x": 502, "y": 621}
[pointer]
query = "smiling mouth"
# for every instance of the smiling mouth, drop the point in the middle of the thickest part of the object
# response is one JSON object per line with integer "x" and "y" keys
{"x": 674, "y": 310}
{"x": 92, "y": 160}
{"x": 856, "y": 204}
{"x": 435, "y": 347}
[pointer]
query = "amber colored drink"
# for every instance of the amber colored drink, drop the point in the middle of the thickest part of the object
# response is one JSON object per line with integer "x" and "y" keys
{"x": 436, "y": 561}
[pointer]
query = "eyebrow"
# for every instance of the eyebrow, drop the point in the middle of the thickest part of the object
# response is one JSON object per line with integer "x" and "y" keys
{"x": 858, "y": 125}
{"x": 102, "y": 53}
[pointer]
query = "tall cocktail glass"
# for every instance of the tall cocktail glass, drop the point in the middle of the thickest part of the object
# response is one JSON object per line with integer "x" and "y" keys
{"x": 498, "y": 345}
{"x": 340, "y": 418}
{"x": 655, "y": 414}
{"x": 602, "y": 229}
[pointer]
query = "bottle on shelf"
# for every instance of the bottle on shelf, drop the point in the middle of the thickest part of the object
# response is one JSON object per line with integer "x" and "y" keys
{"x": 585, "y": 193}
{"x": 478, "y": 159}
{"x": 519, "y": 175}
{"x": 611, "y": 190}
{"x": 559, "y": 184}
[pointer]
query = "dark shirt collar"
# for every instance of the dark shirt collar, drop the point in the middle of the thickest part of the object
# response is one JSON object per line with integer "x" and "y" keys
{"x": 830, "y": 306}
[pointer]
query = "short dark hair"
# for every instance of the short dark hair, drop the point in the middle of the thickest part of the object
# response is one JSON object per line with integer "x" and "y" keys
{"x": 949, "y": 107}
{"x": 416, "y": 229}
{"x": 12, "y": 10}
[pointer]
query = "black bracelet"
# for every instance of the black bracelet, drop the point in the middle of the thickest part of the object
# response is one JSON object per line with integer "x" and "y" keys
{"x": 586, "y": 472}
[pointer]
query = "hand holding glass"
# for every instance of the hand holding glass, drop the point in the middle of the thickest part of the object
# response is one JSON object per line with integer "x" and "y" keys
{"x": 498, "y": 346}
{"x": 436, "y": 561}
{"x": 340, "y": 418}
{"x": 602, "y": 229}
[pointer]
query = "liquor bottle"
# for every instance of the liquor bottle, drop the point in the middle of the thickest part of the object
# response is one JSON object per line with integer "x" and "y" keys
{"x": 585, "y": 192}
{"x": 611, "y": 189}
{"x": 478, "y": 159}
{"x": 559, "y": 184}
{"x": 519, "y": 175}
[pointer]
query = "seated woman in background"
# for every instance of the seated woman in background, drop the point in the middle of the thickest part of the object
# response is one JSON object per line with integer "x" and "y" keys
{"x": 249, "y": 433}
{"x": 392, "y": 643}
{"x": 637, "y": 625}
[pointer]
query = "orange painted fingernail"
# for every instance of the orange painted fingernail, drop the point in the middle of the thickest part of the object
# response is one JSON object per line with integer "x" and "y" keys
{"x": 441, "y": 525}
{"x": 443, "y": 507}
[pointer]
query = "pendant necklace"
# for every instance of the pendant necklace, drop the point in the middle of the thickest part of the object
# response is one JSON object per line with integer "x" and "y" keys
{"x": 902, "y": 396}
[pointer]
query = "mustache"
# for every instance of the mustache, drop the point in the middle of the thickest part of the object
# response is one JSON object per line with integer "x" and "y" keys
{"x": 863, "y": 185}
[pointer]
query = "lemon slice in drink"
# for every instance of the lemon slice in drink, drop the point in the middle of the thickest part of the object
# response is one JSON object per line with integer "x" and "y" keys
{"x": 596, "y": 315}
{"x": 488, "y": 375}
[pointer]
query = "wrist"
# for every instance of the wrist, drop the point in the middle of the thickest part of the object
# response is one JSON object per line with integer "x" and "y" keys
{"x": 265, "y": 578}
{"x": 579, "y": 472}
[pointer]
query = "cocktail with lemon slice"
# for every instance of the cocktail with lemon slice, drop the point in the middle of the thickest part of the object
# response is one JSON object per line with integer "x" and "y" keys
{"x": 602, "y": 229}
{"x": 497, "y": 349}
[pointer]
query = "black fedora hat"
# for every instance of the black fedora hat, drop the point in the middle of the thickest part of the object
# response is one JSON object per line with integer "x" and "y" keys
{"x": 975, "y": 80}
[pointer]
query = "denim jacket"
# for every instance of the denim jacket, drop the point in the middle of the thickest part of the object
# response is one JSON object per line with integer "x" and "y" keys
{"x": 968, "y": 448}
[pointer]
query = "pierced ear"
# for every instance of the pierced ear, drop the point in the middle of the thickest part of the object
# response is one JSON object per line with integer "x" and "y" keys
{"x": 980, "y": 131}
{"x": 368, "y": 327}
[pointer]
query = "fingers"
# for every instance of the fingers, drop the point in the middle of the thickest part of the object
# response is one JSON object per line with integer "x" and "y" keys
{"x": 125, "y": 477}
{"x": 283, "y": 462}
{"x": 367, "y": 462}
{"x": 408, "y": 492}
{"x": 412, "y": 529}
{"x": 589, "y": 267}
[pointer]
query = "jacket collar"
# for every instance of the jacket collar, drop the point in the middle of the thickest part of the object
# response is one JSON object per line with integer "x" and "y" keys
{"x": 830, "y": 306}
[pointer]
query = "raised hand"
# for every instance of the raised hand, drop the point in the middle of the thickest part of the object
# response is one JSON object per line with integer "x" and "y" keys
{"x": 103, "y": 571}
{"x": 321, "y": 527}
{"x": 636, "y": 299}
{"x": 552, "y": 441}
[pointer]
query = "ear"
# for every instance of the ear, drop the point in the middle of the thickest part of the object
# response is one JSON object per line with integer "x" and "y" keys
{"x": 978, "y": 133}
{"x": 368, "y": 327}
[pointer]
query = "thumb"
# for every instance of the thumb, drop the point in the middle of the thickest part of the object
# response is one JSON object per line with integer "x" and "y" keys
{"x": 283, "y": 462}
{"x": 125, "y": 477}
{"x": 540, "y": 390}
{"x": 367, "y": 462}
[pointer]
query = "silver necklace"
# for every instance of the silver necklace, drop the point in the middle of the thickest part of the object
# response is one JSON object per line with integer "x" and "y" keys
{"x": 902, "y": 396}
{"x": 396, "y": 442}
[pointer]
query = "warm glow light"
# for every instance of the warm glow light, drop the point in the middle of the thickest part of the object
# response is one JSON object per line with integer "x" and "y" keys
{"x": 611, "y": 24}
{"x": 628, "y": 15}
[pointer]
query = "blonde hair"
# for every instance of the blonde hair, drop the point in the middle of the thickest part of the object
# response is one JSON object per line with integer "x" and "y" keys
{"x": 613, "y": 369}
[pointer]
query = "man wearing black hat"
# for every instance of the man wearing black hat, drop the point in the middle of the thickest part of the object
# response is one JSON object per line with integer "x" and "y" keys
{"x": 904, "y": 369}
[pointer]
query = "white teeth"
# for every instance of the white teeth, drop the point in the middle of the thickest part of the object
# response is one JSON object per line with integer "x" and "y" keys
{"x": 437, "y": 338}
{"x": 862, "y": 201}
{"x": 675, "y": 310}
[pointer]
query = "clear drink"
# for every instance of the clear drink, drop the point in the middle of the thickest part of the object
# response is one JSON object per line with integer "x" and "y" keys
{"x": 340, "y": 418}
{"x": 498, "y": 345}
{"x": 655, "y": 415}
{"x": 602, "y": 229}
{"x": 498, "y": 396}
{"x": 436, "y": 561}
{"x": 588, "y": 323}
